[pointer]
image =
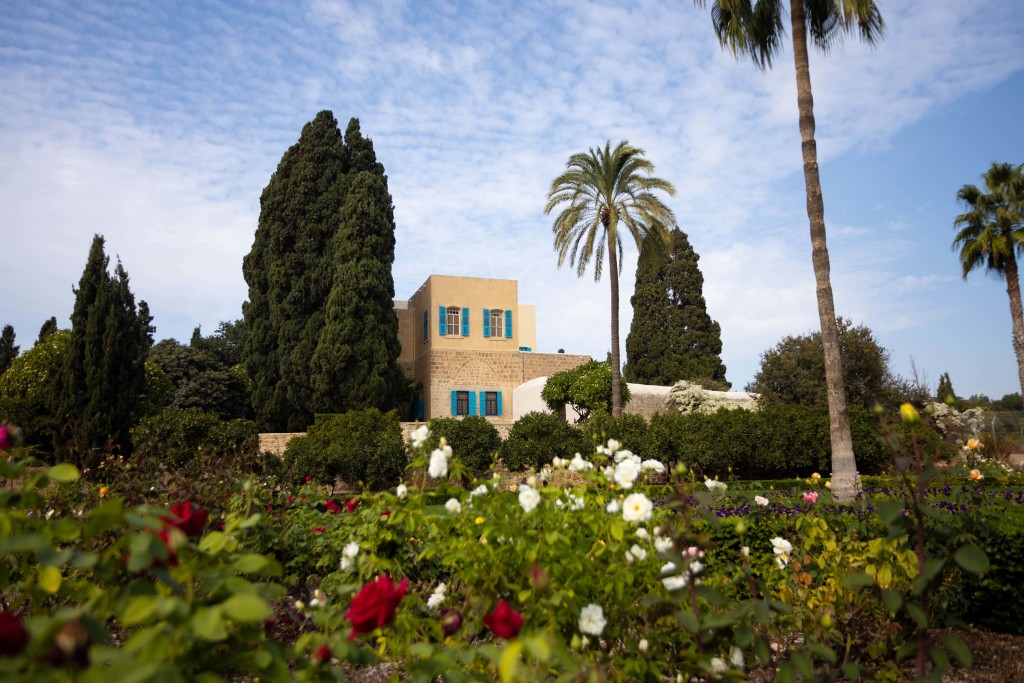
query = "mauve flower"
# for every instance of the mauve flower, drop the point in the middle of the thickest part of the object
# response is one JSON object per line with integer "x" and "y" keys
{"x": 451, "y": 620}
{"x": 190, "y": 522}
{"x": 811, "y": 497}
{"x": 13, "y": 634}
{"x": 5, "y": 440}
{"x": 374, "y": 606}
{"x": 504, "y": 621}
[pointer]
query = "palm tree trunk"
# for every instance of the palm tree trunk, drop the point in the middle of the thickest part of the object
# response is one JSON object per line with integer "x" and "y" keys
{"x": 1016, "y": 314}
{"x": 845, "y": 485}
{"x": 613, "y": 265}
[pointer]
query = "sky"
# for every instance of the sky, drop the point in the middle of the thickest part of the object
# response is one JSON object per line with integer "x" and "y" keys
{"x": 158, "y": 125}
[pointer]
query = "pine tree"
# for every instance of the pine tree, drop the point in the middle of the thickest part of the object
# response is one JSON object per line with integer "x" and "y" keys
{"x": 48, "y": 328}
{"x": 945, "y": 391}
{"x": 8, "y": 351}
{"x": 306, "y": 242}
{"x": 100, "y": 384}
{"x": 672, "y": 336}
{"x": 355, "y": 365}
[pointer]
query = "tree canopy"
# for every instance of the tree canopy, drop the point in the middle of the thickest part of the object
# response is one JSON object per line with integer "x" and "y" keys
{"x": 585, "y": 388}
{"x": 672, "y": 337}
{"x": 793, "y": 371}
{"x": 313, "y": 243}
{"x": 8, "y": 349}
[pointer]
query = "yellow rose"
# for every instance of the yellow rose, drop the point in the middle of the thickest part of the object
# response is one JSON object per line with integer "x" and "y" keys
{"x": 828, "y": 484}
{"x": 973, "y": 444}
{"x": 909, "y": 414}
{"x": 976, "y": 475}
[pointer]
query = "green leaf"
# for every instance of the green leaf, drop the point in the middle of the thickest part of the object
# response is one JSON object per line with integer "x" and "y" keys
{"x": 246, "y": 609}
{"x": 890, "y": 510}
{"x": 138, "y": 611}
{"x": 539, "y": 648}
{"x": 940, "y": 658}
{"x": 892, "y": 599}
{"x": 958, "y": 649}
{"x": 689, "y": 621}
{"x": 208, "y": 624}
{"x": 858, "y": 580}
{"x": 510, "y": 661}
{"x": 851, "y": 671}
{"x": 214, "y": 542}
{"x": 65, "y": 473}
{"x": 251, "y": 563}
{"x": 50, "y": 579}
{"x": 23, "y": 543}
{"x": 971, "y": 558}
{"x": 917, "y": 614}
{"x": 617, "y": 532}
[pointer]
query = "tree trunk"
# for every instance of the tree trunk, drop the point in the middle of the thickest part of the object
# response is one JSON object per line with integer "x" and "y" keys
{"x": 845, "y": 485}
{"x": 613, "y": 265}
{"x": 1016, "y": 314}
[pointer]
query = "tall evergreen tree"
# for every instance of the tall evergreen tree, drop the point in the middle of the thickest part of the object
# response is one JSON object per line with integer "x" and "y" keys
{"x": 356, "y": 361}
{"x": 672, "y": 336}
{"x": 8, "y": 351}
{"x": 48, "y": 328}
{"x": 291, "y": 272}
{"x": 945, "y": 391}
{"x": 101, "y": 382}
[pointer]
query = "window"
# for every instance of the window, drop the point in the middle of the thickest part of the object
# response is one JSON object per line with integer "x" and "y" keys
{"x": 491, "y": 403}
{"x": 462, "y": 403}
{"x": 497, "y": 323}
{"x": 426, "y": 326}
{"x": 454, "y": 324}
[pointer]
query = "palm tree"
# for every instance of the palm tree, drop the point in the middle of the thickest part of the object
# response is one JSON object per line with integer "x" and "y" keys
{"x": 755, "y": 28}
{"x": 604, "y": 189}
{"x": 992, "y": 233}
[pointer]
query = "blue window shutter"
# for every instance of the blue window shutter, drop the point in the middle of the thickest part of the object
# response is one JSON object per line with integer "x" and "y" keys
{"x": 487, "y": 322}
{"x": 472, "y": 403}
{"x": 499, "y": 403}
{"x": 508, "y": 323}
{"x": 455, "y": 403}
{"x": 483, "y": 402}
{"x": 465, "y": 324}
{"x": 442, "y": 321}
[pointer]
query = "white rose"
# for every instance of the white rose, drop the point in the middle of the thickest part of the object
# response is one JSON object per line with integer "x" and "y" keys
{"x": 637, "y": 508}
{"x": 419, "y": 435}
{"x": 528, "y": 498}
{"x": 638, "y": 553}
{"x": 453, "y": 506}
{"x": 761, "y": 500}
{"x": 663, "y": 545}
{"x": 401, "y": 491}
{"x": 613, "y": 507}
{"x": 626, "y": 473}
{"x": 351, "y": 550}
{"x": 438, "y": 467}
{"x": 655, "y": 465}
{"x": 592, "y": 620}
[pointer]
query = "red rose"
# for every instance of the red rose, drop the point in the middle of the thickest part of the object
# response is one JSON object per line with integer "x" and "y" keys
{"x": 351, "y": 504}
{"x": 172, "y": 557}
{"x": 386, "y": 513}
{"x": 332, "y": 506}
{"x": 318, "y": 529}
{"x": 5, "y": 440}
{"x": 504, "y": 621}
{"x": 13, "y": 635}
{"x": 374, "y": 606}
{"x": 309, "y": 478}
{"x": 323, "y": 654}
{"x": 190, "y": 522}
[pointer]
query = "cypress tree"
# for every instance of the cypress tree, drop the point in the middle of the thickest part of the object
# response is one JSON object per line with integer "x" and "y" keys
{"x": 945, "y": 391}
{"x": 101, "y": 382}
{"x": 8, "y": 351}
{"x": 48, "y": 328}
{"x": 672, "y": 336}
{"x": 355, "y": 365}
{"x": 320, "y": 310}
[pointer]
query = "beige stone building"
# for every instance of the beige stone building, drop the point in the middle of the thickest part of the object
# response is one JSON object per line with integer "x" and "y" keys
{"x": 468, "y": 343}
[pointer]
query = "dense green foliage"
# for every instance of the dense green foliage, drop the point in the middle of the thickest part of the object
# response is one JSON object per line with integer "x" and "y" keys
{"x": 672, "y": 337}
{"x": 27, "y": 389}
{"x": 200, "y": 380}
{"x": 793, "y": 371}
{"x": 585, "y": 388}
{"x": 945, "y": 391}
{"x": 474, "y": 440}
{"x": 176, "y": 436}
{"x": 777, "y": 441}
{"x": 355, "y": 362}
{"x": 538, "y": 438}
{"x": 100, "y": 385}
{"x": 225, "y": 344}
{"x": 47, "y": 328}
{"x": 360, "y": 446}
{"x": 8, "y": 349}
{"x": 629, "y": 430}
{"x": 314, "y": 244}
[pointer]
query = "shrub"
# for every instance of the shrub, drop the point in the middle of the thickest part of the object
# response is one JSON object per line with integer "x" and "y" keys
{"x": 629, "y": 430}
{"x": 359, "y": 446}
{"x": 175, "y": 436}
{"x": 538, "y": 438}
{"x": 586, "y": 388}
{"x": 26, "y": 389}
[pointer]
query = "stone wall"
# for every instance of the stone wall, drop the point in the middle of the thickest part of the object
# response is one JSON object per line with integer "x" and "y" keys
{"x": 276, "y": 442}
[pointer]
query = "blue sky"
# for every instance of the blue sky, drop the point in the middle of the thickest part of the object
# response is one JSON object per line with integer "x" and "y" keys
{"x": 159, "y": 124}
